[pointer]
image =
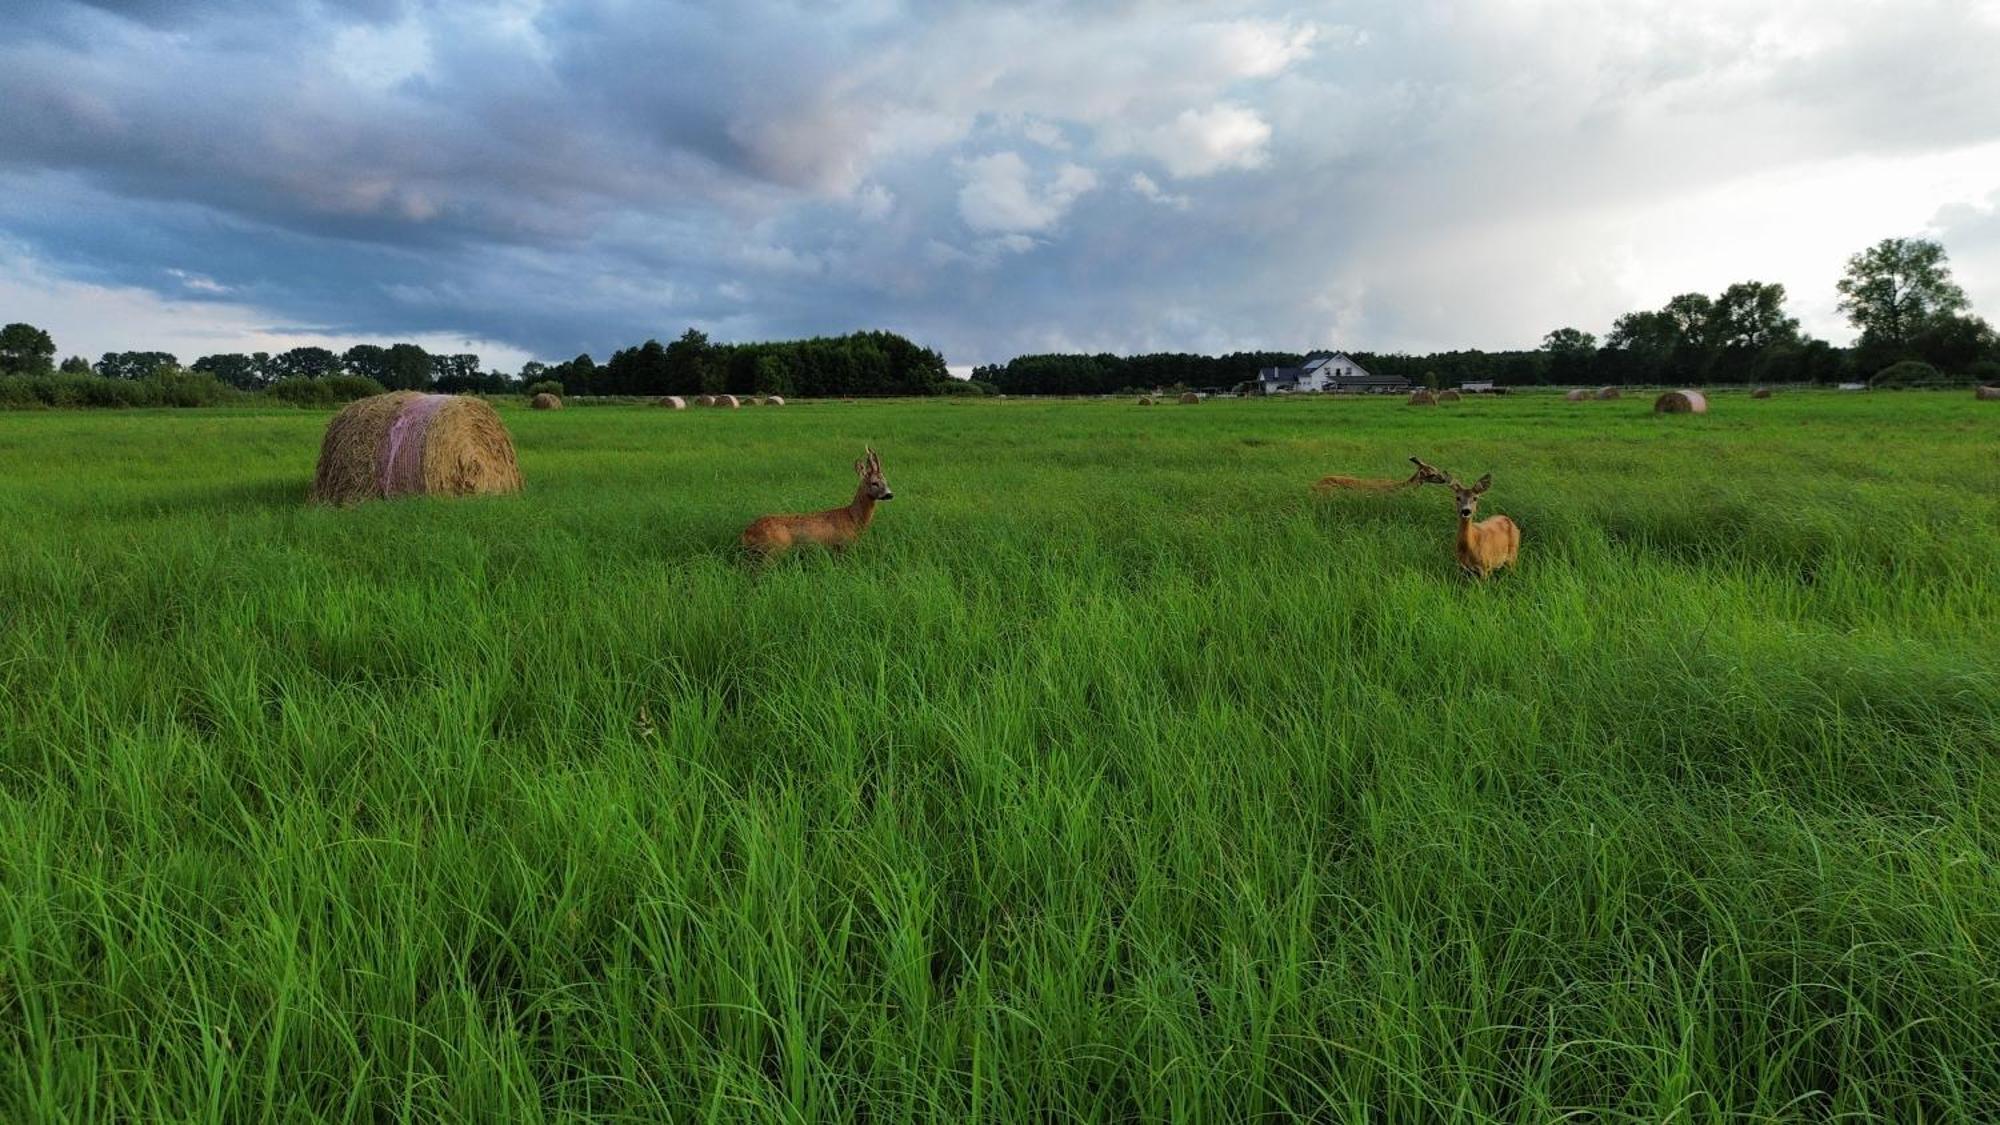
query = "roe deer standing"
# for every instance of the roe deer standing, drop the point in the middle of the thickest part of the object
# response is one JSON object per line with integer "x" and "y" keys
{"x": 835, "y": 528}
{"x": 1488, "y": 545}
{"x": 1425, "y": 474}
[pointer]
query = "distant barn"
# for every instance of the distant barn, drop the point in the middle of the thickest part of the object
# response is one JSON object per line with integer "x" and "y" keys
{"x": 1338, "y": 373}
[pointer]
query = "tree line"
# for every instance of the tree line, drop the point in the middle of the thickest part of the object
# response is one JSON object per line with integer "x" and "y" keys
{"x": 863, "y": 363}
{"x": 1898, "y": 294}
{"x": 858, "y": 364}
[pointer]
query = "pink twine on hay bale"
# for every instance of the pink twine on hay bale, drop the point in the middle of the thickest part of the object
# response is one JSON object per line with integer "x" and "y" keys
{"x": 403, "y": 453}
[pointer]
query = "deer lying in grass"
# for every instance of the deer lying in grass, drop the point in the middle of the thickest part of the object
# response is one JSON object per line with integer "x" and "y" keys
{"x": 1425, "y": 474}
{"x": 1488, "y": 545}
{"x": 835, "y": 529}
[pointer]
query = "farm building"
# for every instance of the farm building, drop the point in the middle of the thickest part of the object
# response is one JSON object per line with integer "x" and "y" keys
{"x": 1337, "y": 373}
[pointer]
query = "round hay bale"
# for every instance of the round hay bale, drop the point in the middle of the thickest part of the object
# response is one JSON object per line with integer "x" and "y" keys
{"x": 411, "y": 444}
{"x": 1761, "y": 392}
{"x": 727, "y": 402}
{"x": 706, "y": 400}
{"x": 545, "y": 401}
{"x": 1190, "y": 398}
{"x": 1145, "y": 400}
{"x": 1987, "y": 394}
{"x": 671, "y": 402}
{"x": 1681, "y": 402}
{"x": 1447, "y": 396}
{"x": 1423, "y": 398}
{"x": 1577, "y": 395}
{"x": 775, "y": 400}
{"x": 1607, "y": 392}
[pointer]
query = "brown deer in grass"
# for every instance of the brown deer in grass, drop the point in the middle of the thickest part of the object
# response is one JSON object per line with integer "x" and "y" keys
{"x": 1425, "y": 474}
{"x": 1488, "y": 545}
{"x": 835, "y": 529}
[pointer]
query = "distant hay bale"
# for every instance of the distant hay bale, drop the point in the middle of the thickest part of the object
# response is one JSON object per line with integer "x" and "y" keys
{"x": 1761, "y": 392}
{"x": 1447, "y": 396}
{"x": 412, "y": 444}
{"x": 1681, "y": 402}
{"x": 1607, "y": 392}
{"x": 1987, "y": 394}
{"x": 1145, "y": 400}
{"x": 775, "y": 400}
{"x": 1577, "y": 395}
{"x": 1190, "y": 398}
{"x": 671, "y": 402}
{"x": 727, "y": 402}
{"x": 545, "y": 401}
{"x": 1423, "y": 398}
{"x": 706, "y": 400}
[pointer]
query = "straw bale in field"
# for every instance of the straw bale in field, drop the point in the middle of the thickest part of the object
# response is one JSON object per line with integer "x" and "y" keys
{"x": 775, "y": 400}
{"x": 671, "y": 402}
{"x": 1447, "y": 396}
{"x": 727, "y": 402}
{"x": 1577, "y": 395}
{"x": 1190, "y": 399}
{"x": 1145, "y": 400}
{"x": 545, "y": 401}
{"x": 1423, "y": 398}
{"x": 1607, "y": 392}
{"x": 1990, "y": 394}
{"x": 1681, "y": 402}
{"x": 411, "y": 444}
{"x": 1761, "y": 392}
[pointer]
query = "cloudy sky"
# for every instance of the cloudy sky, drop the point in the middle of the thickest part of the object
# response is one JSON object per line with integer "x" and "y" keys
{"x": 534, "y": 179}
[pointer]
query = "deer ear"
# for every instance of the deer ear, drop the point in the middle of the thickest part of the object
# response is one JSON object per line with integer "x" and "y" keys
{"x": 861, "y": 468}
{"x": 1485, "y": 483}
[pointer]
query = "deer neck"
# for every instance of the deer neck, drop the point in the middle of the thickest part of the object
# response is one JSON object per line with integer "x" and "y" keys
{"x": 1464, "y": 531}
{"x": 862, "y": 511}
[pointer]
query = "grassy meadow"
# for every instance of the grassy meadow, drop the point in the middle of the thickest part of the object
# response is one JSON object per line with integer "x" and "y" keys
{"x": 1114, "y": 775}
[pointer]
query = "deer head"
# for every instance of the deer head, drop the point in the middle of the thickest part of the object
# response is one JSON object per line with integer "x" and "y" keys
{"x": 1468, "y": 498}
{"x": 1429, "y": 474}
{"x": 869, "y": 469}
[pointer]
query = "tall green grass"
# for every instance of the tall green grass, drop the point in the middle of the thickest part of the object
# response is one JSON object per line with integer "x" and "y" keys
{"x": 1113, "y": 775}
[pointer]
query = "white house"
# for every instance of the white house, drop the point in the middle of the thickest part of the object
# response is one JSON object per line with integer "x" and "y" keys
{"x": 1336, "y": 372}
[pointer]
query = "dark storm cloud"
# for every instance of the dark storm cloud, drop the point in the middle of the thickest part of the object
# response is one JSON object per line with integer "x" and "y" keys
{"x": 991, "y": 177}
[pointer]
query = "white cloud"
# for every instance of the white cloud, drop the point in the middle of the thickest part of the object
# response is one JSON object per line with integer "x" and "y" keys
{"x": 1149, "y": 188}
{"x": 1259, "y": 49}
{"x": 1202, "y": 142}
{"x": 1000, "y": 194}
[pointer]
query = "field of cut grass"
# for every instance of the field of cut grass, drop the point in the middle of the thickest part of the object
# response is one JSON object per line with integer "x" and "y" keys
{"x": 1113, "y": 776}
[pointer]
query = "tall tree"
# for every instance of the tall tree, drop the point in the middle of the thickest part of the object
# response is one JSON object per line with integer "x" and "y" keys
{"x": 408, "y": 368}
{"x": 368, "y": 360}
{"x": 1897, "y": 288}
{"x": 26, "y": 350}
{"x": 235, "y": 369}
{"x": 1572, "y": 353}
{"x": 305, "y": 363}
{"x": 1750, "y": 315}
{"x": 134, "y": 365}
{"x": 688, "y": 364}
{"x": 76, "y": 365}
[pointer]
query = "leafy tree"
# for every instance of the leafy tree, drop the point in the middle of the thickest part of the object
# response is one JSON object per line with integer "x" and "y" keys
{"x": 234, "y": 368}
{"x": 370, "y": 361}
{"x": 134, "y": 365}
{"x": 76, "y": 365}
{"x": 1955, "y": 343}
{"x": 689, "y": 365}
{"x": 1572, "y": 355}
{"x": 1896, "y": 288}
{"x": 305, "y": 363}
{"x": 26, "y": 350}
{"x": 409, "y": 368}
{"x": 453, "y": 374}
{"x": 774, "y": 375}
{"x": 1750, "y": 315}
